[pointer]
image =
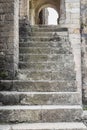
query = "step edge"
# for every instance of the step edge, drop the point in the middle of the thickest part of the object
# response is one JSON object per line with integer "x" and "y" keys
{"x": 35, "y": 126}
{"x": 41, "y": 107}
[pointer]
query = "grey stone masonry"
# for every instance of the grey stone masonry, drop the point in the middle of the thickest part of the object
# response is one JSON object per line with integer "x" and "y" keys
{"x": 8, "y": 38}
{"x": 45, "y": 88}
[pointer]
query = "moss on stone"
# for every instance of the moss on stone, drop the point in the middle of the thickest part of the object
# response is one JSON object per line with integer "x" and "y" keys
{"x": 3, "y": 74}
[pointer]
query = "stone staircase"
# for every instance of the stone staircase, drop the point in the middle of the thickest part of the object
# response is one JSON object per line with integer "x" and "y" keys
{"x": 44, "y": 95}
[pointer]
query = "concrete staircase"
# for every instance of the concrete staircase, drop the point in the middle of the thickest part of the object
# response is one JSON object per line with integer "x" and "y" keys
{"x": 44, "y": 95}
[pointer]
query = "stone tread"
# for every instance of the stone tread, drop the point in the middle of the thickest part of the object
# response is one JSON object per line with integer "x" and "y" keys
{"x": 44, "y": 66}
{"x": 40, "y": 107}
{"x": 40, "y": 113}
{"x": 63, "y": 58}
{"x": 45, "y": 50}
{"x": 38, "y": 86}
{"x": 40, "y": 43}
{"x": 49, "y": 28}
{"x": 46, "y": 75}
{"x": 45, "y": 126}
{"x": 52, "y": 33}
{"x": 44, "y": 38}
{"x": 39, "y": 98}
{"x": 30, "y": 93}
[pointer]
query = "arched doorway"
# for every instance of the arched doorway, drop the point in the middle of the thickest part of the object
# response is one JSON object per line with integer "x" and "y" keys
{"x": 32, "y": 8}
{"x": 48, "y": 16}
{"x": 42, "y": 13}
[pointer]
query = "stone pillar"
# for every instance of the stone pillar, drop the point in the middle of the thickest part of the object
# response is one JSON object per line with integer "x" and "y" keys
{"x": 32, "y": 16}
{"x": 62, "y": 12}
{"x": 46, "y": 16}
{"x": 24, "y": 9}
{"x": 9, "y": 48}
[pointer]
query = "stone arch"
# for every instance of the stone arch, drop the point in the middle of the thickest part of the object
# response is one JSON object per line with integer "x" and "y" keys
{"x": 40, "y": 4}
{"x": 30, "y": 8}
{"x": 43, "y": 7}
{"x": 46, "y": 6}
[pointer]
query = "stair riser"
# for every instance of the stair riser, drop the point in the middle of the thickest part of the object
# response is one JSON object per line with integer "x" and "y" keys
{"x": 60, "y": 50}
{"x": 55, "y": 86}
{"x": 50, "y": 34}
{"x": 50, "y": 39}
{"x": 46, "y": 67}
{"x": 42, "y": 44}
{"x": 29, "y": 75}
{"x": 39, "y": 115}
{"x": 49, "y": 29}
{"x": 47, "y": 58}
{"x": 39, "y": 99}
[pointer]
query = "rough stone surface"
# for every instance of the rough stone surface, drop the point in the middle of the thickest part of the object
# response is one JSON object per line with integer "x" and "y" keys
{"x": 39, "y": 98}
{"x": 45, "y": 126}
{"x": 48, "y": 62}
{"x": 38, "y": 86}
{"x": 45, "y": 113}
{"x": 8, "y": 38}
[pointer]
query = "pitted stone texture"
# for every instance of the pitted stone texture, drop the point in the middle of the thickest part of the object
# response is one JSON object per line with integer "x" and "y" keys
{"x": 57, "y": 58}
{"x": 8, "y": 38}
{"x": 52, "y": 33}
{"x": 39, "y": 98}
{"x": 46, "y": 66}
{"x": 38, "y": 86}
{"x": 48, "y": 28}
{"x": 37, "y": 114}
{"x": 46, "y": 50}
{"x": 51, "y": 126}
{"x": 45, "y": 126}
{"x": 44, "y": 44}
{"x": 44, "y": 38}
{"x": 46, "y": 75}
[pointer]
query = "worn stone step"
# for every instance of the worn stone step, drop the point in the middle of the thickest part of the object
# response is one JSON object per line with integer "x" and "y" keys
{"x": 52, "y": 33}
{"x": 58, "y": 58}
{"x": 43, "y": 38}
{"x": 39, "y": 98}
{"x": 46, "y": 75}
{"x": 38, "y": 86}
{"x": 46, "y": 50}
{"x": 45, "y": 126}
{"x": 49, "y": 28}
{"x": 44, "y": 44}
{"x": 46, "y": 66}
{"x": 43, "y": 113}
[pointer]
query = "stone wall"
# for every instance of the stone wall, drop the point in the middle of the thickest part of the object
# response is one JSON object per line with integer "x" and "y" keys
{"x": 73, "y": 24}
{"x": 24, "y": 9}
{"x": 8, "y": 38}
{"x": 84, "y": 48}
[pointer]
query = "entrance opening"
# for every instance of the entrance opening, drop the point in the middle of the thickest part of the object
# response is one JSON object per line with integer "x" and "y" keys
{"x": 48, "y": 16}
{"x": 53, "y": 17}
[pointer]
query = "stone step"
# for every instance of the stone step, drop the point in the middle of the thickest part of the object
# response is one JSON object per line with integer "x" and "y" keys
{"x": 44, "y": 38}
{"x": 38, "y": 86}
{"x": 37, "y": 114}
{"x": 46, "y": 50}
{"x": 49, "y": 29}
{"x": 40, "y": 33}
{"x": 39, "y": 98}
{"x": 46, "y": 75}
{"x": 45, "y": 126}
{"x": 46, "y": 66}
{"x": 44, "y": 44}
{"x": 57, "y": 58}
